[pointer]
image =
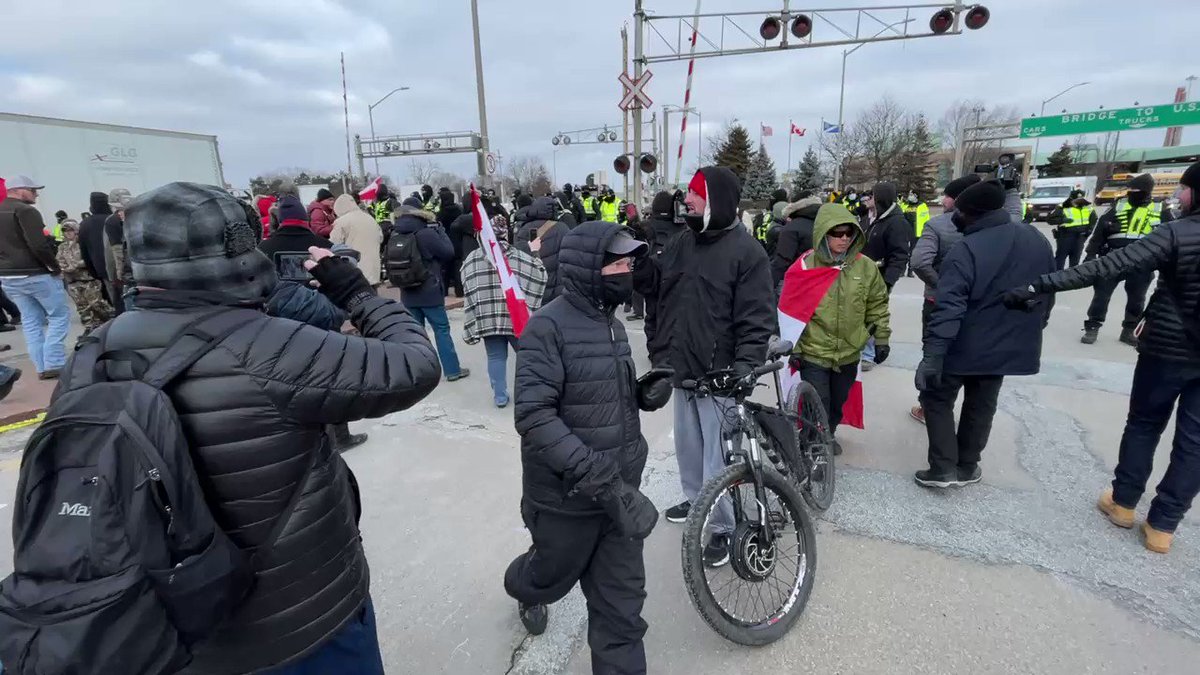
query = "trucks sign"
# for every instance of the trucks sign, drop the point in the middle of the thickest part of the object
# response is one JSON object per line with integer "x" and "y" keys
{"x": 1122, "y": 119}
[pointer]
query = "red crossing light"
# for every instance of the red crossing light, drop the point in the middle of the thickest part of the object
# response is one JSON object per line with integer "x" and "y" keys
{"x": 942, "y": 21}
{"x": 977, "y": 17}
{"x": 802, "y": 26}
{"x": 621, "y": 164}
{"x": 770, "y": 28}
{"x": 648, "y": 163}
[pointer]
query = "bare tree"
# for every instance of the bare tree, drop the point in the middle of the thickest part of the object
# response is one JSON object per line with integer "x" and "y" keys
{"x": 422, "y": 171}
{"x": 441, "y": 179}
{"x": 985, "y": 146}
{"x": 1082, "y": 152}
{"x": 528, "y": 174}
{"x": 884, "y": 130}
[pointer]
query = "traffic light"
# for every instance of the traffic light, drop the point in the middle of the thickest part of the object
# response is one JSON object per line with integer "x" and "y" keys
{"x": 977, "y": 17}
{"x": 648, "y": 163}
{"x": 802, "y": 26}
{"x": 770, "y": 28}
{"x": 942, "y": 21}
{"x": 621, "y": 164}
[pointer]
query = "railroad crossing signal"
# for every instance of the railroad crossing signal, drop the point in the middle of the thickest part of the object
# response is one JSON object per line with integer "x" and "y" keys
{"x": 635, "y": 97}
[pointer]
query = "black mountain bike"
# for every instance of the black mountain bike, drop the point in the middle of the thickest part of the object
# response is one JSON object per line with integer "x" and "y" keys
{"x": 759, "y": 511}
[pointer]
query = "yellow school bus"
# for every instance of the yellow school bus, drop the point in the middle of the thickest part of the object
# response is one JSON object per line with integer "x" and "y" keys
{"x": 1114, "y": 188}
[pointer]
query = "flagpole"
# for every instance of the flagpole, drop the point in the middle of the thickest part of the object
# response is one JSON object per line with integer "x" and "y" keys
{"x": 791, "y": 132}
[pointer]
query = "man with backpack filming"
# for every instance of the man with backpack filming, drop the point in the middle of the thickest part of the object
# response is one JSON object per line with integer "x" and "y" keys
{"x": 417, "y": 251}
{"x": 181, "y": 506}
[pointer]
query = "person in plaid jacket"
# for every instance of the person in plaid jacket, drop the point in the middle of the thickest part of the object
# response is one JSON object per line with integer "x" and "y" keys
{"x": 487, "y": 315}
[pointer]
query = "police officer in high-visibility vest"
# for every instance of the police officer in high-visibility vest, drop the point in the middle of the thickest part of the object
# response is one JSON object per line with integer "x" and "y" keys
{"x": 589, "y": 205}
{"x": 55, "y": 231}
{"x": 429, "y": 200}
{"x": 1073, "y": 223}
{"x": 1130, "y": 219}
{"x": 610, "y": 207}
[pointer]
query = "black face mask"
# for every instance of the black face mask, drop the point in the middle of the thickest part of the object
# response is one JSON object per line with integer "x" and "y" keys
{"x": 959, "y": 221}
{"x": 1138, "y": 198}
{"x": 618, "y": 289}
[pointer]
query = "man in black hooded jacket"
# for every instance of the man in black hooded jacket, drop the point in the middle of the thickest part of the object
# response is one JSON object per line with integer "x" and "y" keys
{"x": 664, "y": 226}
{"x": 582, "y": 452}
{"x": 888, "y": 235}
{"x": 91, "y": 245}
{"x": 795, "y": 236}
{"x": 542, "y": 235}
{"x": 715, "y": 310}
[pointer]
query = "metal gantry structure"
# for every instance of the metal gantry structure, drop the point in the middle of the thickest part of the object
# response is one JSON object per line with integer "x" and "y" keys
{"x": 785, "y": 28}
{"x": 416, "y": 145}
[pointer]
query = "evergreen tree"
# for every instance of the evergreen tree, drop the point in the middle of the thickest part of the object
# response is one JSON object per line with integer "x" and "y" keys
{"x": 809, "y": 177}
{"x": 736, "y": 153}
{"x": 1057, "y": 163}
{"x": 914, "y": 171}
{"x": 760, "y": 180}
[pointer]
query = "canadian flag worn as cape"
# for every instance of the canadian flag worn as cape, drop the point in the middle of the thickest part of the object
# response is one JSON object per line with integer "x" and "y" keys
{"x": 514, "y": 297}
{"x": 803, "y": 290}
{"x": 368, "y": 193}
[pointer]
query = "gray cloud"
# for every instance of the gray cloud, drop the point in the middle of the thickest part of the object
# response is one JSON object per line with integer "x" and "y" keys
{"x": 265, "y": 77}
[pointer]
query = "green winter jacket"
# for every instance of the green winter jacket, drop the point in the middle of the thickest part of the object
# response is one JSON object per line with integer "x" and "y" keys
{"x": 857, "y": 300}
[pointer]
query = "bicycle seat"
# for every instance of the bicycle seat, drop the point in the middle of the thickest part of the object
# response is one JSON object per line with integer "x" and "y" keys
{"x": 779, "y": 347}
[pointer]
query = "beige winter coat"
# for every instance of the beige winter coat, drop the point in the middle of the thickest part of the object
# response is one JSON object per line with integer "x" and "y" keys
{"x": 360, "y": 232}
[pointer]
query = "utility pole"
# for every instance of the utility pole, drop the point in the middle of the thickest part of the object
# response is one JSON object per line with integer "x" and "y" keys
{"x": 481, "y": 154}
{"x": 346, "y": 117}
{"x": 639, "y": 28}
{"x": 625, "y": 113}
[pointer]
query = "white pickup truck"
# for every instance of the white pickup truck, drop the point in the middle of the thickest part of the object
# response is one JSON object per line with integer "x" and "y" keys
{"x": 1046, "y": 194}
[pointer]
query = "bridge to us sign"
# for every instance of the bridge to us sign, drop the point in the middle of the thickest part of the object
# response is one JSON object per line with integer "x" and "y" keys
{"x": 1120, "y": 119}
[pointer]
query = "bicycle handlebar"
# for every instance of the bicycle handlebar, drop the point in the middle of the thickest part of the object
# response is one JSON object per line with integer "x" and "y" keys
{"x": 767, "y": 368}
{"x": 692, "y": 385}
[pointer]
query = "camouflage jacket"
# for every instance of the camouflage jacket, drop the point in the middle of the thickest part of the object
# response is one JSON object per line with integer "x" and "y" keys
{"x": 70, "y": 259}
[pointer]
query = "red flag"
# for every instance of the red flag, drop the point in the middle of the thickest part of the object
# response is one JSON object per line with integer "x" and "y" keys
{"x": 803, "y": 290}
{"x": 797, "y": 130}
{"x": 3, "y": 190}
{"x": 368, "y": 193}
{"x": 766, "y": 130}
{"x": 514, "y": 297}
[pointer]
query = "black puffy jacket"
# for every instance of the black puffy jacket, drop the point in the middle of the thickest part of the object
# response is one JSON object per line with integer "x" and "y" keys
{"x": 576, "y": 395}
{"x": 253, "y": 410}
{"x": 1171, "y": 329}
{"x": 795, "y": 236}
{"x": 715, "y": 305}
{"x": 888, "y": 241}
{"x": 544, "y": 209}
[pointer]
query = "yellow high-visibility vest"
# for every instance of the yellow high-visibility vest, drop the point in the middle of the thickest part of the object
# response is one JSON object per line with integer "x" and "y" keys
{"x": 1137, "y": 222}
{"x": 609, "y": 210}
{"x": 1077, "y": 217}
{"x": 922, "y": 217}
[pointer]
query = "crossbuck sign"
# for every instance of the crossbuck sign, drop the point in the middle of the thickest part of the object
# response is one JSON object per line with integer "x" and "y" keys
{"x": 635, "y": 97}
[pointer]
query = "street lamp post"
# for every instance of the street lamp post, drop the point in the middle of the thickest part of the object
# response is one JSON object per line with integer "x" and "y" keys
{"x": 1037, "y": 142}
{"x": 371, "y": 117}
{"x": 837, "y": 168}
{"x": 669, "y": 108}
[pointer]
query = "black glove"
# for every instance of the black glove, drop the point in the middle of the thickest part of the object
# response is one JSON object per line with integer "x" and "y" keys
{"x": 595, "y": 476}
{"x": 631, "y": 511}
{"x": 1020, "y": 298}
{"x": 341, "y": 281}
{"x": 654, "y": 389}
{"x": 881, "y": 353}
{"x": 929, "y": 373}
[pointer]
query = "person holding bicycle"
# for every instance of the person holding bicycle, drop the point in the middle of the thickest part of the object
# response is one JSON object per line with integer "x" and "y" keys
{"x": 853, "y": 307}
{"x": 582, "y": 451}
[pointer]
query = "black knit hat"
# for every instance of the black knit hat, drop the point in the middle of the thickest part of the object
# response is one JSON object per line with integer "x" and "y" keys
{"x": 981, "y": 197}
{"x": 324, "y": 194}
{"x": 191, "y": 237}
{"x": 291, "y": 209}
{"x": 1142, "y": 183}
{"x": 955, "y": 187}
{"x": 1191, "y": 177}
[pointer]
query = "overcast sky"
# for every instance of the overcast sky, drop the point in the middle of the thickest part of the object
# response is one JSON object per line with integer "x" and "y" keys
{"x": 263, "y": 75}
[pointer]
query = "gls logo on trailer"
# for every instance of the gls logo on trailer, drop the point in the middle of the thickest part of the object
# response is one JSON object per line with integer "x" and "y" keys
{"x": 79, "y": 510}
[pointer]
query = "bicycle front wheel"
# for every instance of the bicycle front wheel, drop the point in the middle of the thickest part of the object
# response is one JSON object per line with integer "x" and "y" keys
{"x": 759, "y": 595}
{"x": 816, "y": 445}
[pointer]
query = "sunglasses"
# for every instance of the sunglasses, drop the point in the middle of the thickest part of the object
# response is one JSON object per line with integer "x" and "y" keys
{"x": 841, "y": 234}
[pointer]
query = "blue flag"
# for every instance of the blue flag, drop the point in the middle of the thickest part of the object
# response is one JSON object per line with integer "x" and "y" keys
{"x": 830, "y": 128}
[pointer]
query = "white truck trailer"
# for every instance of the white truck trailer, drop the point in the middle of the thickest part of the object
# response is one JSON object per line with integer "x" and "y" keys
{"x": 73, "y": 159}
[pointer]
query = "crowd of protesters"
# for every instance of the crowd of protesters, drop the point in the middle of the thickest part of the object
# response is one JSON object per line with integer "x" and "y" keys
{"x": 304, "y": 279}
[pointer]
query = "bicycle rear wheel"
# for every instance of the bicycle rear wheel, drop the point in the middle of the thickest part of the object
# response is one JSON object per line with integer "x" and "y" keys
{"x": 761, "y": 593}
{"x": 816, "y": 445}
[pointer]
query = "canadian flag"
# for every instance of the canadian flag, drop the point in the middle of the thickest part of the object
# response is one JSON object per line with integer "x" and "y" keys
{"x": 797, "y": 130}
{"x": 514, "y": 297}
{"x": 803, "y": 290}
{"x": 3, "y": 190}
{"x": 368, "y": 193}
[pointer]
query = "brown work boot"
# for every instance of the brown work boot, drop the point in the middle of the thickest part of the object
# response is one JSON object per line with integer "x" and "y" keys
{"x": 1119, "y": 515}
{"x": 1156, "y": 540}
{"x": 917, "y": 413}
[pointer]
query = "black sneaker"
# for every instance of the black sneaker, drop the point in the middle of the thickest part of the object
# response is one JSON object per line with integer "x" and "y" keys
{"x": 929, "y": 479}
{"x": 969, "y": 474}
{"x": 1090, "y": 335}
{"x": 462, "y": 373}
{"x": 717, "y": 551}
{"x": 1128, "y": 337}
{"x": 534, "y": 617}
{"x": 679, "y": 512}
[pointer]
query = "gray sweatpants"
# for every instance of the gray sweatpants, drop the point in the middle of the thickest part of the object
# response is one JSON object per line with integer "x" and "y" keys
{"x": 700, "y": 450}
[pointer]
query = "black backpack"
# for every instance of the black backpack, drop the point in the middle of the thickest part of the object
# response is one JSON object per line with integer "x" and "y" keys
{"x": 405, "y": 266}
{"x": 119, "y": 566}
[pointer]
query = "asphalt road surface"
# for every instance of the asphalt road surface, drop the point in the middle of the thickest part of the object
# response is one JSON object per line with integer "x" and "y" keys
{"x": 1019, "y": 574}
